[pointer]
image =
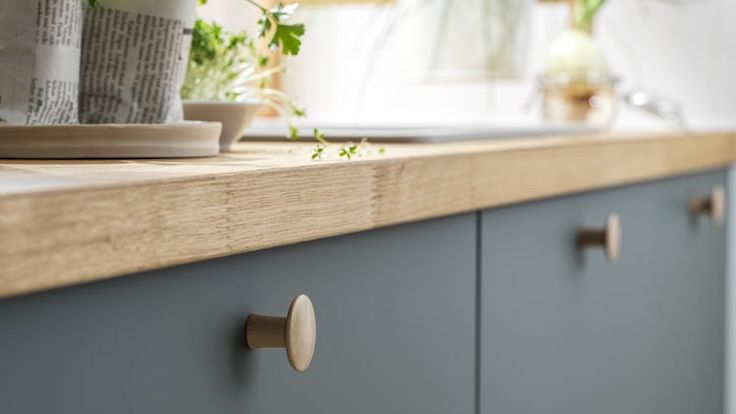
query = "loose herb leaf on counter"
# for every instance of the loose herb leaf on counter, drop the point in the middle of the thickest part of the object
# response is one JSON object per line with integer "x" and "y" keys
{"x": 349, "y": 151}
{"x": 319, "y": 136}
{"x": 318, "y": 151}
{"x": 293, "y": 132}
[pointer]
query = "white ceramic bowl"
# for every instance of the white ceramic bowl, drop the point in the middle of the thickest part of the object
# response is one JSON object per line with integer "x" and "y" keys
{"x": 235, "y": 117}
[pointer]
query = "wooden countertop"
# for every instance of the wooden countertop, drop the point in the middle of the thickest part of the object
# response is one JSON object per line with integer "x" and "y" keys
{"x": 69, "y": 222}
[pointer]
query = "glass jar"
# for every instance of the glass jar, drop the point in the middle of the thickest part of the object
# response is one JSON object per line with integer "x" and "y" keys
{"x": 590, "y": 101}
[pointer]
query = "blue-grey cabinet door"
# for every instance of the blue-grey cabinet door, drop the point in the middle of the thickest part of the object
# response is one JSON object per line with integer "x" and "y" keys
{"x": 395, "y": 325}
{"x": 569, "y": 333}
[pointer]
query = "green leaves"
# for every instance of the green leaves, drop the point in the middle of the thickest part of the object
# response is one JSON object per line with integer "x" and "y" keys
{"x": 95, "y": 3}
{"x": 293, "y": 132}
{"x": 230, "y": 67}
{"x": 584, "y": 12}
{"x": 218, "y": 63}
{"x": 319, "y": 150}
{"x": 207, "y": 41}
{"x": 287, "y": 37}
{"x": 319, "y": 136}
{"x": 348, "y": 151}
{"x": 212, "y": 43}
{"x": 297, "y": 111}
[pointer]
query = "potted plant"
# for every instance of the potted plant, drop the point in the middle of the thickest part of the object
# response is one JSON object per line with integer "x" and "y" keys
{"x": 227, "y": 78}
{"x": 577, "y": 86}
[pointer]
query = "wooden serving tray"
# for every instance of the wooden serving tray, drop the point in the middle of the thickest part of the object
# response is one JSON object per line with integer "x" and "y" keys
{"x": 180, "y": 140}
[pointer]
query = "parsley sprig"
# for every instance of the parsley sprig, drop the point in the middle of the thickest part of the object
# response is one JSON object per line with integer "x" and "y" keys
{"x": 282, "y": 36}
{"x": 318, "y": 152}
{"x": 346, "y": 151}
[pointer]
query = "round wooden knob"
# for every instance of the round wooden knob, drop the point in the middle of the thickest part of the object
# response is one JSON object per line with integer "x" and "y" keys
{"x": 713, "y": 205}
{"x": 607, "y": 238}
{"x": 297, "y": 332}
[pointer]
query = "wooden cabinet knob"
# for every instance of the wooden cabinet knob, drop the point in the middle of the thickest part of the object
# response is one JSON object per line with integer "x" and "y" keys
{"x": 608, "y": 238}
{"x": 297, "y": 332}
{"x": 713, "y": 205}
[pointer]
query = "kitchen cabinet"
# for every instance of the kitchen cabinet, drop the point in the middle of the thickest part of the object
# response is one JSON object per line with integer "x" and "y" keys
{"x": 395, "y": 311}
{"x": 501, "y": 311}
{"x": 564, "y": 331}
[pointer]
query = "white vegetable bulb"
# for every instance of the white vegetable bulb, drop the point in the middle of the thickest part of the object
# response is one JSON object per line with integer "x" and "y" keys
{"x": 576, "y": 56}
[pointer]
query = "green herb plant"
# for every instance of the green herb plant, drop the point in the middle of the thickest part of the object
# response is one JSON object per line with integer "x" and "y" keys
{"x": 229, "y": 66}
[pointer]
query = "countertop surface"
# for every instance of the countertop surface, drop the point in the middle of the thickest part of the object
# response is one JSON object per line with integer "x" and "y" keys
{"x": 70, "y": 222}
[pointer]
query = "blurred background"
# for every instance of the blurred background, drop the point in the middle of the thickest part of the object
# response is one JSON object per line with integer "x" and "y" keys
{"x": 408, "y": 61}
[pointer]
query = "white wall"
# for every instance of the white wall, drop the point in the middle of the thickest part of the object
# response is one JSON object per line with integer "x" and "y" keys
{"x": 685, "y": 52}
{"x": 350, "y": 70}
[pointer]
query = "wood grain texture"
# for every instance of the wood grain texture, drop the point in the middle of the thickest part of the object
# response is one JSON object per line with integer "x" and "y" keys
{"x": 69, "y": 222}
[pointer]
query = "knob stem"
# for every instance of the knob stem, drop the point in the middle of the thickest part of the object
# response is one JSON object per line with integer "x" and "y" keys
{"x": 591, "y": 237}
{"x": 265, "y": 331}
{"x": 608, "y": 238}
{"x": 713, "y": 205}
{"x": 701, "y": 205}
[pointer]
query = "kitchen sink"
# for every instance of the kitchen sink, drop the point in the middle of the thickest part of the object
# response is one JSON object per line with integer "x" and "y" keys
{"x": 415, "y": 133}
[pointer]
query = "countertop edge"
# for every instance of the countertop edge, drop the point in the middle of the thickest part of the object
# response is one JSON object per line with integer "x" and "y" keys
{"x": 53, "y": 239}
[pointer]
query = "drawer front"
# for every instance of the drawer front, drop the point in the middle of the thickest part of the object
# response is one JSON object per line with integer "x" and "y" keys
{"x": 395, "y": 315}
{"x": 564, "y": 332}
